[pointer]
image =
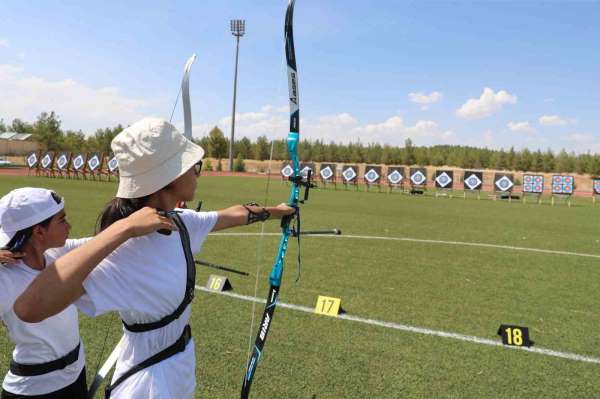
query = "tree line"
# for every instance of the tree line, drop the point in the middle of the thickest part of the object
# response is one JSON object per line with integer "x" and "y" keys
{"x": 46, "y": 130}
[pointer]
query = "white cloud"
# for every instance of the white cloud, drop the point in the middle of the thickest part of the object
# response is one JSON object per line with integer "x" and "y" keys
{"x": 521, "y": 127}
{"x": 487, "y": 104}
{"x": 79, "y": 106}
{"x": 425, "y": 100}
{"x": 552, "y": 120}
{"x": 342, "y": 127}
{"x": 3, "y": 42}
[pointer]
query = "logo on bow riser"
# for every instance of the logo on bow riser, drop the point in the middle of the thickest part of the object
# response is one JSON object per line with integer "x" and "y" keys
{"x": 294, "y": 96}
{"x": 265, "y": 327}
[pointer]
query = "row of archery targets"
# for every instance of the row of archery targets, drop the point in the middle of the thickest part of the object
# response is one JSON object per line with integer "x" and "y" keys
{"x": 417, "y": 180}
{"x": 92, "y": 165}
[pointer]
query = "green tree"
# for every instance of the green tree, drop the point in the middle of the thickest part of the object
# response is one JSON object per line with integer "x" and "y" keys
{"x": 409, "y": 153}
{"x": 548, "y": 161}
{"x": 261, "y": 148}
{"x": 74, "y": 141}
{"x": 538, "y": 161}
{"x": 18, "y": 126}
{"x": 524, "y": 161}
{"x": 46, "y": 131}
{"x": 238, "y": 164}
{"x": 243, "y": 147}
{"x": 217, "y": 143}
{"x": 564, "y": 163}
{"x": 2, "y": 126}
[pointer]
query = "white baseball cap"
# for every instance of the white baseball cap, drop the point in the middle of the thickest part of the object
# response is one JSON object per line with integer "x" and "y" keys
{"x": 26, "y": 207}
{"x": 151, "y": 154}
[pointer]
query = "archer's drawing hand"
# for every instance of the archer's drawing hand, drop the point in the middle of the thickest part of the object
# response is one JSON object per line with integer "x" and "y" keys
{"x": 10, "y": 258}
{"x": 147, "y": 220}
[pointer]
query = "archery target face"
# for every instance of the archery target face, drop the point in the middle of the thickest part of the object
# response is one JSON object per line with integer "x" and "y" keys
{"x": 32, "y": 160}
{"x": 372, "y": 176}
{"x": 78, "y": 162}
{"x": 418, "y": 178}
{"x": 326, "y": 173}
{"x": 504, "y": 183}
{"x": 443, "y": 180}
{"x": 473, "y": 182}
{"x": 113, "y": 164}
{"x": 533, "y": 184}
{"x": 304, "y": 171}
{"x": 46, "y": 161}
{"x": 62, "y": 161}
{"x": 562, "y": 184}
{"x": 349, "y": 174}
{"x": 93, "y": 163}
{"x": 287, "y": 171}
{"x": 395, "y": 177}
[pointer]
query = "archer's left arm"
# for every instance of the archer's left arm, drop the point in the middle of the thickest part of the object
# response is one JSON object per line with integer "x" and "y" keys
{"x": 240, "y": 215}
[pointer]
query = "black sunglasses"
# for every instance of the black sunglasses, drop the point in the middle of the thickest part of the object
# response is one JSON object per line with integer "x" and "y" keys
{"x": 198, "y": 168}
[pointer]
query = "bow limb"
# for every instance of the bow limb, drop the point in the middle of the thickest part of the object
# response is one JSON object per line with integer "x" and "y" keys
{"x": 185, "y": 97}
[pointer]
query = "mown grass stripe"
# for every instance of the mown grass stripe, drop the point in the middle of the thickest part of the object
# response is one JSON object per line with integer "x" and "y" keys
{"x": 425, "y": 241}
{"x": 417, "y": 330}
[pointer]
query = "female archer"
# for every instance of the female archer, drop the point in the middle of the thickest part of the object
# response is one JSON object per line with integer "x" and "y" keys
{"x": 149, "y": 279}
{"x": 48, "y": 361}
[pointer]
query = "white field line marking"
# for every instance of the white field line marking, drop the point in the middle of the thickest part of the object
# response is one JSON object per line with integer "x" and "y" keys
{"x": 417, "y": 330}
{"x": 408, "y": 239}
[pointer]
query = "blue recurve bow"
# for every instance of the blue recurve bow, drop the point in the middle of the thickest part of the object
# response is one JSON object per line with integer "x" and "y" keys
{"x": 287, "y": 228}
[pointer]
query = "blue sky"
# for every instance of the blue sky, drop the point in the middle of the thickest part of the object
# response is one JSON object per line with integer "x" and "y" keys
{"x": 494, "y": 74}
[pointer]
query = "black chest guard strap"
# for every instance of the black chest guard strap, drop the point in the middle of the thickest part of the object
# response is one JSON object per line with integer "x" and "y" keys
{"x": 189, "y": 284}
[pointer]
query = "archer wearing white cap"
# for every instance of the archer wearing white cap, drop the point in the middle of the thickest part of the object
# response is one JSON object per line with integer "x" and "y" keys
{"x": 48, "y": 361}
{"x": 150, "y": 279}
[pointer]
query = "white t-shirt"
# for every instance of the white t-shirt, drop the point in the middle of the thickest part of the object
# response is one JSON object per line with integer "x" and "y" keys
{"x": 144, "y": 280}
{"x": 43, "y": 342}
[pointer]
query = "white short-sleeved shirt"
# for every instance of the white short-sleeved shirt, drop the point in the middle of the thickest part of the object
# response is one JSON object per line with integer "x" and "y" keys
{"x": 144, "y": 280}
{"x": 37, "y": 343}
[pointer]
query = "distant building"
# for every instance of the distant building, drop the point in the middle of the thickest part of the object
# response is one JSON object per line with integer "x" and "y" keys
{"x": 12, "y": 143}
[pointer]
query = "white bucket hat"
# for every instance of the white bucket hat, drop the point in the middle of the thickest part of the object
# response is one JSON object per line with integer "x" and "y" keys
{"x": 151, "y": 154}
{"x": 23, "y": 208}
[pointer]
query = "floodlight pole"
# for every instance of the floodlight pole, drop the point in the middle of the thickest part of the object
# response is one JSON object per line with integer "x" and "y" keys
{"x": 238, "y": 28}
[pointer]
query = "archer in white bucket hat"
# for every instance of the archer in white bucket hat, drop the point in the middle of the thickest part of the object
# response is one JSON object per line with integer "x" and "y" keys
{"x": 151, "y": 154}
{"x": 149, "y": 280}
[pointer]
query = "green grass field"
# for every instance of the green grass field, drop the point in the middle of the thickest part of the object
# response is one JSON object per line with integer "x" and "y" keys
{"x": 453, "y": 288}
